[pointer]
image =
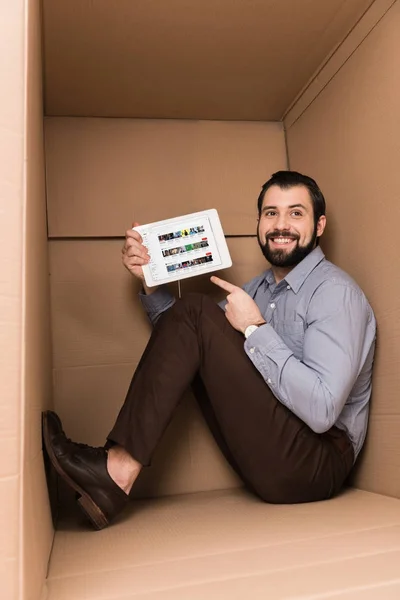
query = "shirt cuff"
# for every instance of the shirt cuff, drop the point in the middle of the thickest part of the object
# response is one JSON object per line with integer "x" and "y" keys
{"x": 263, "y": 338}
{"x": 269, "y": 354}
{"x": 157, "y": 302}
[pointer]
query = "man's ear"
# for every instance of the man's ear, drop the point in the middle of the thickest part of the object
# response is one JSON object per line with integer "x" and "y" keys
{"x": 321, "y": 225}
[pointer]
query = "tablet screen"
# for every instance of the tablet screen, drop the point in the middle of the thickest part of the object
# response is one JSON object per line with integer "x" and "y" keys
{"x": 184, "y": 247}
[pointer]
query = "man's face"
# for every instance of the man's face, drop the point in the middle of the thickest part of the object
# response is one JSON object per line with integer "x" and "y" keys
{"x": 286, "y": 229}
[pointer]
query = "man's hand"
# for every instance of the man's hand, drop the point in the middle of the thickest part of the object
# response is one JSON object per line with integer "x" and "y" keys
{"x": 241, "y": 310}
{"x": 135, "y": 255}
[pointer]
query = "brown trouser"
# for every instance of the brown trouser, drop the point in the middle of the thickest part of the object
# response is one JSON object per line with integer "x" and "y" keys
{"x": 275, "y": 453}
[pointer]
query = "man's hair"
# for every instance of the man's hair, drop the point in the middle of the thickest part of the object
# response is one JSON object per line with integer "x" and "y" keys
{"x": 288, "y": 179}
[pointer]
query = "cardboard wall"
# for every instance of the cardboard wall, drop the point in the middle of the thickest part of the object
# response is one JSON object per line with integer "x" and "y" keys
{"x": 100, "y": 173}
{"x": 12, "y": 47}
{"x": 187, "y": 60}
{"x": 348, "y": 139}
{"x": 37, "y": 527}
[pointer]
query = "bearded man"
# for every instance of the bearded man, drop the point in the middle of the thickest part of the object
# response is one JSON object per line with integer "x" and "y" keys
{"x": 281, "y": 369}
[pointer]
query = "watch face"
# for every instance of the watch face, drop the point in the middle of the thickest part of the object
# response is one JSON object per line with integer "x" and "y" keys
{"x": 249, "y": 330}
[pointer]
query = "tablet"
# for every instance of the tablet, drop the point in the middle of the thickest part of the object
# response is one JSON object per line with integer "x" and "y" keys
{"x": 184, "y": 247}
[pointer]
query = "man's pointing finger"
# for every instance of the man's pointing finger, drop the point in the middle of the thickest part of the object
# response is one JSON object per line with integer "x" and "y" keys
{"x": 225, "y": 285}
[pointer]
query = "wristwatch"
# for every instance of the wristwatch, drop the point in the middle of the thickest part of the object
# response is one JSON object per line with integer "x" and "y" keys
{"x": 251, "y": 329}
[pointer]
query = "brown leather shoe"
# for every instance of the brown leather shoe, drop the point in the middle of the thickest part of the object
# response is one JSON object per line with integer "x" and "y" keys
{"x": 84, "y": 469}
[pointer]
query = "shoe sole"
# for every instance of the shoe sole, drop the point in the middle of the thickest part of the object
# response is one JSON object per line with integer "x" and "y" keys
{"x": 86, "y": 503}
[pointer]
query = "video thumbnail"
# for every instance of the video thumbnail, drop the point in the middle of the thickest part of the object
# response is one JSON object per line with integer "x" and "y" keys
{"x": 185, "y": 248}
{"x": 194, "y": 262}
{"x": 165, "y": 237}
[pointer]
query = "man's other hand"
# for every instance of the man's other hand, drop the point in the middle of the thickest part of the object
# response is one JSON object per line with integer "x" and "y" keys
{"x": 241, "y": 310}
{"x": 134, "y": 253}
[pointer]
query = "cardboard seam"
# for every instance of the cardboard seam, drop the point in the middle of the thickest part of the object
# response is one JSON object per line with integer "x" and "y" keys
{"x": 190, "y": 119}
{"x": 286, "y": 145}
{"x": 383, "y": 415}
{"x": 118, "y": 364}
{"x": 49, "y": 560}
{"x": 44, "y": 96}
{"x": 23, "y": 312}
{"x": 373, "y": 586}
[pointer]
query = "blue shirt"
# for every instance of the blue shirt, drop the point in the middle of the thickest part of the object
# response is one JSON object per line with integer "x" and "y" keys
{"x": 316, "y": 350}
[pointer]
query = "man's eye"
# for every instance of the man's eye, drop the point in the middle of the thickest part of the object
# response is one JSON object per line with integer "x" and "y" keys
{"x": 270, "y": 213}
{"x": 297, "y": 213}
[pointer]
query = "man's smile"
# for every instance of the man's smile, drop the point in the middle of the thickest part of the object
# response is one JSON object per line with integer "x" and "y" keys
{"x": 281, "y": 241}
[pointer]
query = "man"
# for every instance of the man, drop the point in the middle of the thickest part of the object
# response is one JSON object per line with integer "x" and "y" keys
{"x": 282, "y": 374}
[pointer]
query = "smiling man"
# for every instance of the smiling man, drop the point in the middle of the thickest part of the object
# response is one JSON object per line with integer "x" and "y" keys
{"x": 282, "y": 373}
{"x": 296, "y": 223}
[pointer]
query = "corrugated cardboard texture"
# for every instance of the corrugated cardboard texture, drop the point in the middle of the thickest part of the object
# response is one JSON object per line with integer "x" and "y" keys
{"x": 12, "y": 48}
{"x": 348, "y": 139}
{"x": 99, "y": 333}
{"x": 199, "y": 60}
{"x": 37, "y": 527}
{"x": 231, "y": 545}
{"x": 103, "y": 173}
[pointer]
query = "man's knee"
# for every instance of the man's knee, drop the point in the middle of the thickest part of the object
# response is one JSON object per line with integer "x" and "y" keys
{"x": 192, "y": 298}
{"x": 196, "y": 301}
{"x": 197, "y": 309}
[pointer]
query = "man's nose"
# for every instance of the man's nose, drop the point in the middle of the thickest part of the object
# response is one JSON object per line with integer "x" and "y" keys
{"x": 282, "y": 223}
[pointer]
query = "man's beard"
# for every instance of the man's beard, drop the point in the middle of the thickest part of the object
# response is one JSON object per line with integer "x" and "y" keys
{"x": 282, "y": 258}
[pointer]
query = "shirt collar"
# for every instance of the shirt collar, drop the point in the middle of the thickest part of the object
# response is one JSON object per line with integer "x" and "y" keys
{"x": 269, "y": 277}
{"x": 299, "y": 274}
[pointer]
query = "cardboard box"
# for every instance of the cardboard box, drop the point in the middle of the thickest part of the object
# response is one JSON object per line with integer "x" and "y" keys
{"x": 143, "y": 111}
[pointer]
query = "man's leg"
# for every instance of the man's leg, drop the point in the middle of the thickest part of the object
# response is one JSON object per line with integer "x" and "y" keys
{"x": 278, "y": 456}
{"x": 275, "y": 453}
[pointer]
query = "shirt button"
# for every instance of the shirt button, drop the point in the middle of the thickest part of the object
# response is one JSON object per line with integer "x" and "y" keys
{"x": 273, "y": 305}
{"x": 251, "y": 350}
{"x": 288, "y": 287}
{"x": 269, "y": 380}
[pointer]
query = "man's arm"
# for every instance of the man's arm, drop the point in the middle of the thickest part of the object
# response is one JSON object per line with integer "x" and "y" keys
{"x": 157, "y": 302}
{"x": 317, "y": 387}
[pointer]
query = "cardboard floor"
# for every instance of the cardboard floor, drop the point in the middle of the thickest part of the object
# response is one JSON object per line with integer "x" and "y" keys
{"x": 228, "y": 544}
